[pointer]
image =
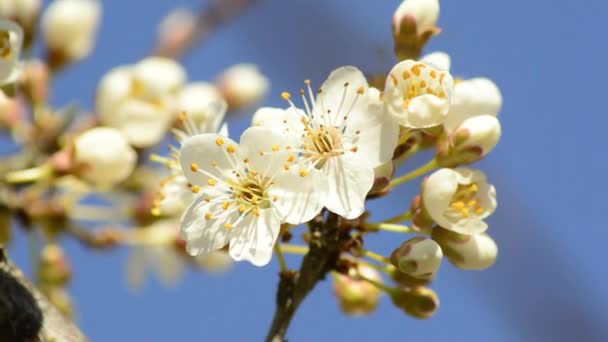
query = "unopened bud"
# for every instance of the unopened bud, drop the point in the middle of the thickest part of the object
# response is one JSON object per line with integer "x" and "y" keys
{"x": 174, "y": 32}
{"x": 12, "y": 110}
{"x": 105, "y": 156}
{"x": 474, "y": 138}
{"x": 70, "y": 28}
{"x": 242, "y": 85}
{"x": 357, "y": 297}
{"x": 418, "y": 302}
{"x": 467, "y": 252}
{"x": 34, "y": 81}
{"x": 195, "y": 100}
{"x": 413, "y": 24}
{"x": 54, "y": 268}
{"x": 419, "y": 257}
{"x": 215, "y": 262}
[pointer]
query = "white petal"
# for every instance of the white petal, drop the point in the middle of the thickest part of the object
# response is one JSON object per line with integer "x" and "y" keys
{"x": 427, "y": 111}
{"x": 299, "y": 198}
{"x": 438, "y": 190}
{"x": 349, "y": 182}
{"x": 209, "y": 152}
{"x": 438, "y": 59}
{"x": 374, "y": 131}
{"x": 255, "y": 240}
{"x": 281, "y": 120}
{"x": 203, "y": 236}
{"x": 473, "y": 97}
{"x": 267, "y": 150}
{"x": 338, "y": 93}
{"x": 143, "y": 123}
{"x": 135, "y": 268}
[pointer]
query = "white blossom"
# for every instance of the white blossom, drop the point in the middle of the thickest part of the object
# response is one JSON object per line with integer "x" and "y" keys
{"x": 242, "y": 85}
{"x": 246, "y": 191}
{"x": 194, "y": 99}
{"x": 459, "y": 199}
{"x": 467, "y": 252}
{"x": 104, "y": 155}
{"x": 140, "y": 99}
{"x": 23, "y": 12}
{"x": 418, "y": 95}
{"x": 70, "y": 27}
{"x": 344, "y": 133}
{"x": 176, "y": 192}
{"x": 356, "y": 296}
{"x": 11, "y": 41}
{"x": 480, "y": 132}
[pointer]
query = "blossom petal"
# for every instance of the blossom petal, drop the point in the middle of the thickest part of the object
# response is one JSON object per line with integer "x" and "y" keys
{"x": 203, "y": 236}
{"x": 255, "y": 240}
{"x": 267, "y": 150}
{"x": 438, "y": 190}
{"x": 473, "y": 97}
{"x": 299, "y": 198}
{"x": 281, "y": 120}
{"x": 348, "y": 184}
{"x": 209, "y": 152}
{"x": 338, "y": 93}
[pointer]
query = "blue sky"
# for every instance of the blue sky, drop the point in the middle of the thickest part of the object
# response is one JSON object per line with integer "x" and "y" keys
{"x": 549, "y": 283}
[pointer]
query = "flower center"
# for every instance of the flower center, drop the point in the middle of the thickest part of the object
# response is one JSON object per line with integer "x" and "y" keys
{"x": 420, "y": 80}
{"x": 251, "y": 192}
{"x": 465, "y": 202}
{"x": 322, "y": 143}
{"x": 5, "y": 45}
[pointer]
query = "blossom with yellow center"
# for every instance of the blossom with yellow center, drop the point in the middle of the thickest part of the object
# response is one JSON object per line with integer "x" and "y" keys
{"x": 245, "y": 193}
{"x": 459, "y": 199}
{"x": 11, "y": 41}
{"x": 417, "y": 94}
{"x": 344, "y": 132}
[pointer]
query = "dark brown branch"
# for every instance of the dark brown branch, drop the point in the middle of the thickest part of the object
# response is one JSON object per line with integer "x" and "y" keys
{"x": 55, "y": 327}
{"x": 325, "y": 242}
{"x": 208, "y": 20}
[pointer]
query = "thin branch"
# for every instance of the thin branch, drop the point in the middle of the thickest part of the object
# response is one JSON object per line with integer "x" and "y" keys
{"x": 325, "y": 242}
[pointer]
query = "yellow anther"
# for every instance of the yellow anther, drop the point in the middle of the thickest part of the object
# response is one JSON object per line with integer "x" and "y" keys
{"x": 307, "y": 82}
{"x": 195, "y": 189}
{"x": 464, "y": 212}
{"x": 422, "y": 84}
{"x": 213, "y": 163}
{"x": 193, "y": 167}
{"x": 182, "y": 117}
{"x": 458, "y": 205}
{"x": 290, "y": 158}
{"x": 416, "y": 69}
{"x": 225, "y": 205}
{"x": 275, "y": 148}
{"x": 261, "y": 153}
{"x": 155, "y": 211}
{"x": 246, "y": 160}
{"x": 230, "y": 148}
{"x": 303, "y": 173}
{"x": 406, "y": 103}
{"x": 243, "y": 209}
{"x": 433, "y": 73}
{"x": 405, "y": 75}
{"x": 219, "y": 141}
{"x": 207, "y": 199}
{"x": 211, "y": 182}
{"x": 286, "y": 167}
{"x": 253, "y": 173}
{"x": 285, "y": 95}
{"x": 228, "y": 226}
{"x": 354, "y": 149}
{"x": 360, "y": 90}
{"x": 395, "y": 80}
{"x": 208, "y": 216}
{"x": 479, "y": 210}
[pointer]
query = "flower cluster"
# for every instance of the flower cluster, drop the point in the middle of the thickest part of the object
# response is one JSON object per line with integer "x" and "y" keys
{"x": 311, "y": 165}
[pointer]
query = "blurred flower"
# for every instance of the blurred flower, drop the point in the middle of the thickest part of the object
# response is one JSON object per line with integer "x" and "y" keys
{"x": 345, "y": 134}
{"x": 355, "y": 296}
{"x": 194, "y": 100}
{"x": 418, "y": 302}
{"x": 34, "y": 81}
{"x": 459, "y": 199}
{"x": 139, "y": 100}
{"x": 174, "y": 32}
{"x": 417, "y": 94}
{"x": 216, "y": 261}
{"x": 11, "y": 41}
{"x": 467, "y": 252}
{"x": 155, "y": 253}
{"x": 70, "y": 27}
{"x": 105, "y": 156}
{"x": 419, "y": 257}
{"x": 12, "y": 110}
{"x": 245, "y": 193}
{"x": 176, "y": 192}
{"x": 423, "y": 13}
{"x": 242, "y": 85}
{"x": 23, "y": 12}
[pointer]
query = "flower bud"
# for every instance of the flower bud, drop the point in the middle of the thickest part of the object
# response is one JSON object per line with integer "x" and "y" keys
{"x": 155, "y": 77}
{"x": 413, "y": 25}
{"x": 418, "y": 302}
{"x": 476, "y": 96}
{"x": 23, "y": 12}
{"x": 382, "y": 177}
{"x": 105, "y": 156}
{"x": 242, "y": 85}
{"x": 215, "y": 262}
{"x": 357, "y": 297}
{"x": 174, "y": 32}
{"x": 195, "y": 100}
{"x": 419, "y": 257}
{"x": 459, "y": 199}
{"x": 469, "y": 142}
{"x": 12, "y": 110}
{"x": 70, "y": 27}
{"x": 54, "y": 269}
{"x": 467, "y": 252}
{"x": 11, "y": 42}
{"x": 34, "y": 82}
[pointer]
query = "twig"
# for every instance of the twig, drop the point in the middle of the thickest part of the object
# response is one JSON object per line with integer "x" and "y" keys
{"x": 325, "y": 242}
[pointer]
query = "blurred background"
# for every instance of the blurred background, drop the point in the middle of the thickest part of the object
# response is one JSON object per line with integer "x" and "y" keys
{"x": 550, "y": 280}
